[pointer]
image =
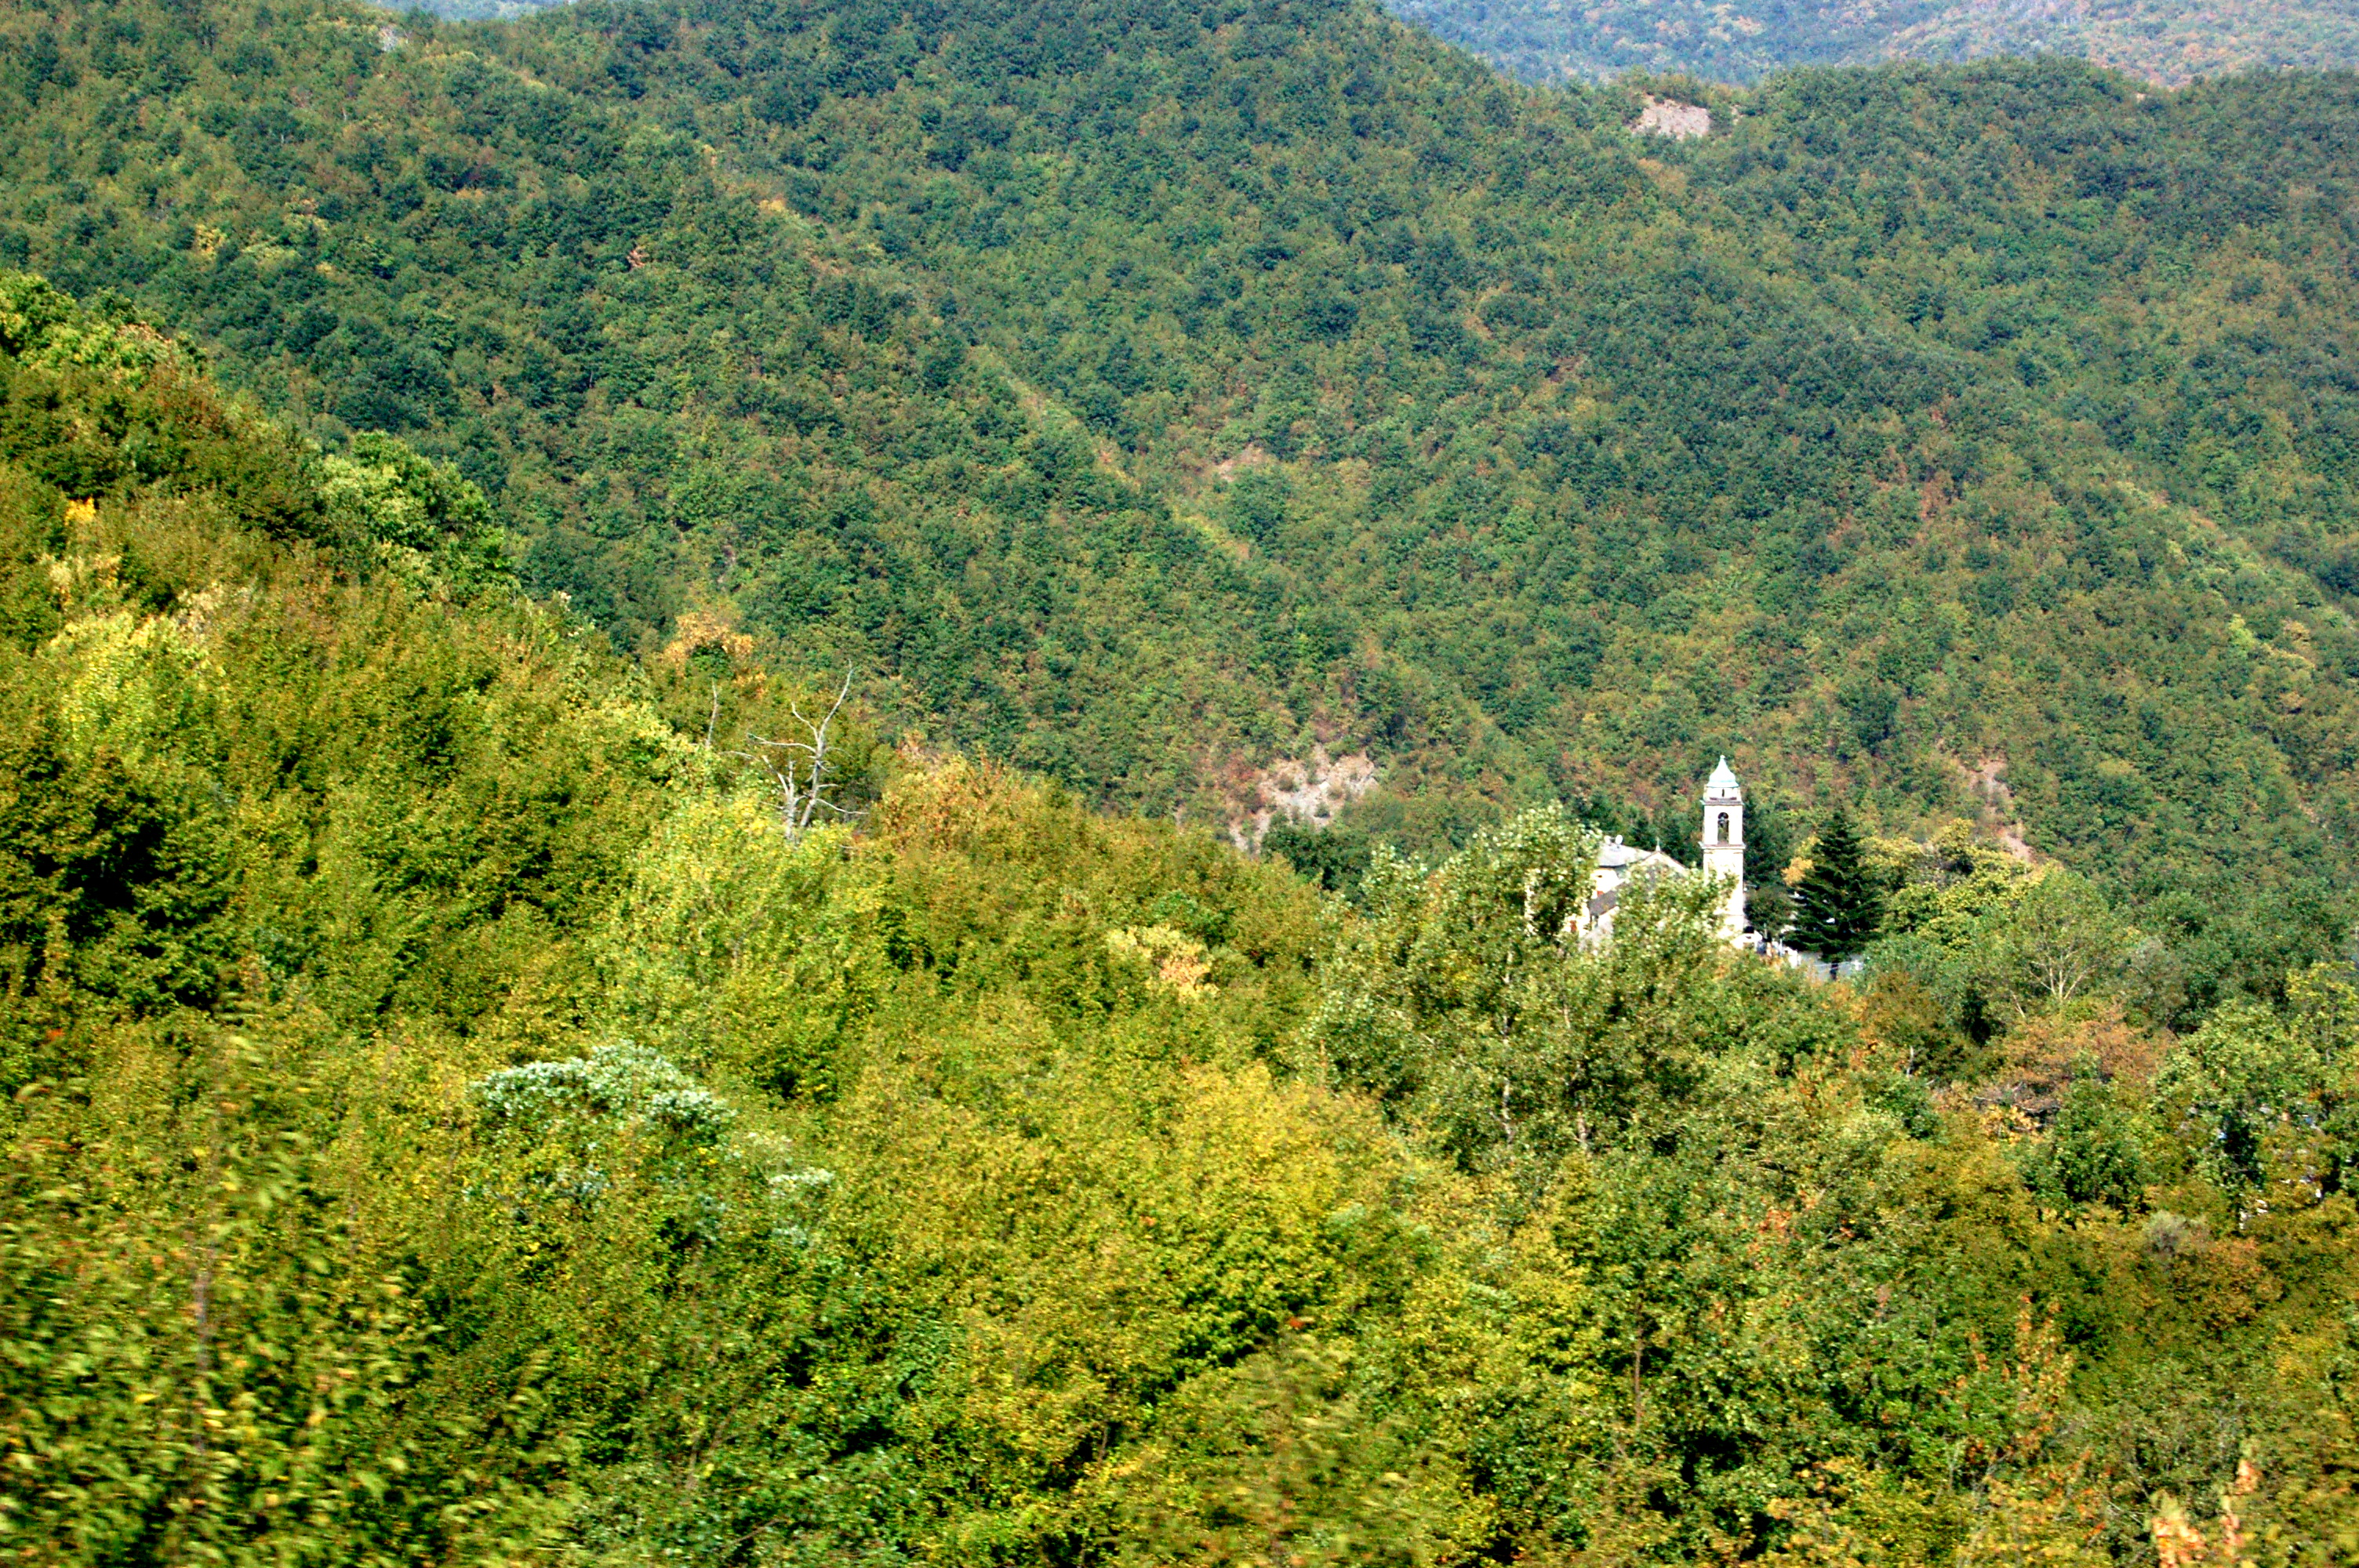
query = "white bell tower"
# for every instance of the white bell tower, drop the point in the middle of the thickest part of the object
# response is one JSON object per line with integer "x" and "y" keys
{"x": 1723, "y": 841}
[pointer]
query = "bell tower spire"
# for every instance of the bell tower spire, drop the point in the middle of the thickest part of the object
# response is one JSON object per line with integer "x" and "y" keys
{"x": 1723, "y": 841}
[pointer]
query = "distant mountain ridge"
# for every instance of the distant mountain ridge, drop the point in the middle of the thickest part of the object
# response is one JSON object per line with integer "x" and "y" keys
{"x": 2169, "y": 42}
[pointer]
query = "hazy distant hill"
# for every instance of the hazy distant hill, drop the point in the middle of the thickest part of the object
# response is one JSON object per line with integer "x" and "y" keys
{"x": 2170, "y": 41}
{"x": 486, "y": 10}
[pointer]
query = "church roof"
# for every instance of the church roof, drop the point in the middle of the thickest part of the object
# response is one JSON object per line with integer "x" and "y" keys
{"x": 1613, "y": 855}
{"x": 1722, "y": 781}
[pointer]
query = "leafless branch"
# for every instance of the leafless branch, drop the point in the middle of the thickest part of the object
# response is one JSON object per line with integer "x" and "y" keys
{"x": 798, "y": 767}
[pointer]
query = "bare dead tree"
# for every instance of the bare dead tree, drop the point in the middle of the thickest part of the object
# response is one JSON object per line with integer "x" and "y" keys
{"x": 797, "y": 766}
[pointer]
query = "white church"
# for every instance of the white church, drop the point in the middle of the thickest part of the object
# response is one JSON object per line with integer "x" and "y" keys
{"x": 1618, "y": 864}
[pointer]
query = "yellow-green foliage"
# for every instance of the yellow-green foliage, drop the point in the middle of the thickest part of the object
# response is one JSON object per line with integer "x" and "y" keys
{"x": 452, "y": 1118}
{"x": 43, "y": 328}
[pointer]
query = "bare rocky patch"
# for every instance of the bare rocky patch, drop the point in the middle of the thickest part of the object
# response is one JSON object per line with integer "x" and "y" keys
{"x": 1309, "y": 793}
{"x": 1668, "y": 117}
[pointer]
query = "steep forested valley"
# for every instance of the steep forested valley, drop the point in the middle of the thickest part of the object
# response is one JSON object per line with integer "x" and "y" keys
{"x": 649, "y": 660}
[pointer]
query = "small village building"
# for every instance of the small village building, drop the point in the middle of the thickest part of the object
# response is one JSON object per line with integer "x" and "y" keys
{"x": 1619, "y": 864}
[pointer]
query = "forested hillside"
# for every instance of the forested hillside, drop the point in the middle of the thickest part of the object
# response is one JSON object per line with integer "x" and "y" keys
{"x": 894, "y": 337}
{"x": 452, "y": 1118}
{"x": 457, "y": 1110}
{"x": 1145, "y": 395}
{"x": 2167, "y": 42}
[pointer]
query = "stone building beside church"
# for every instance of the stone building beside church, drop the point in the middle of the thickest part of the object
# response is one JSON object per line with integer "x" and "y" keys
{"x": 1619, "y": 864}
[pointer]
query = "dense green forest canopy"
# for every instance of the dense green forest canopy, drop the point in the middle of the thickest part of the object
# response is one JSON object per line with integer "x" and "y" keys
{"x": 1146, "y": 394}
{"x": 2169, "y": 42}
{"x": 450, "y": 1118}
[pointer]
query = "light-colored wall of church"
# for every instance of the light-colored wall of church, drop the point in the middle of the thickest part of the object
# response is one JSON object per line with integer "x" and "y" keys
{"x": 1726, "y": 859}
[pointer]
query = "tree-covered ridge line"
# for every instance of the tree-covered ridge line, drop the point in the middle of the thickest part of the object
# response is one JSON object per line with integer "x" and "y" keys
{"x": 2165, "y": 41}
{"x": 1854, "y": 442}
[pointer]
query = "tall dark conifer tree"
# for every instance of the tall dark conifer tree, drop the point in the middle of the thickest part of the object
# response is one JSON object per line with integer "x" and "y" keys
{"x": 1837, "y": 908}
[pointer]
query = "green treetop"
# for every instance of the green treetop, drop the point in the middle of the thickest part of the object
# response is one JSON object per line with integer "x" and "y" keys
{"x": 1836, "y": 910}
